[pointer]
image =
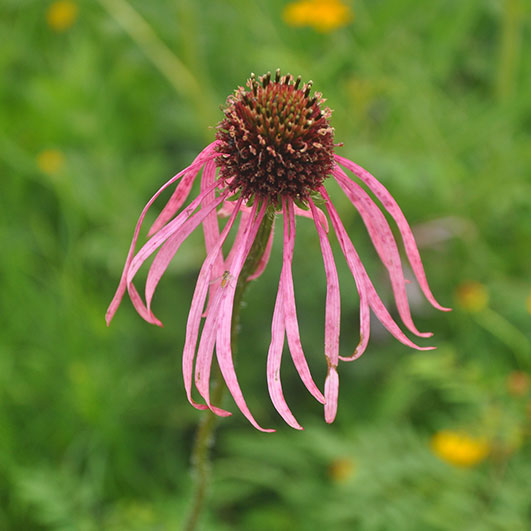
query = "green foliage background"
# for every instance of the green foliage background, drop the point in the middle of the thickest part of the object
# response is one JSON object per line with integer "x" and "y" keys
{"x": 95, "y": 431}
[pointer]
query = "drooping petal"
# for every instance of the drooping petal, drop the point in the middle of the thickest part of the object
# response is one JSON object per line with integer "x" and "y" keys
{"x": 166, "y": 232}
{"x": 211, "y": 225}
{"x": 392, "y": 207}
{"x": 374, "y": 300}
{"x": 182, "y": 190}
{"x": 149, "y": 248}
{"x": 203, "y": 364}
{"x": 224, "y": 311}
{"x": 385, "y": 318}
{"x": 333, "y": 302}
{"x": 274, "y": 358}
{"x": 216, "y": 280}
{"x": 331, "y": 394}
{"x": 354, "y": 265}
{"x": 205, "y": 352}
{"x": 290, "y": 311}
{"x": 172, "y": 244}
{"x": 267, "y": 253}
{"x": 176, "y": 201}
{"x": 332, "y": 319}
{"x": 120, "y": 291}
{"x": 384, "y": 243}
{"x": 139, "y": 306}
{"x": 241, "y": 234}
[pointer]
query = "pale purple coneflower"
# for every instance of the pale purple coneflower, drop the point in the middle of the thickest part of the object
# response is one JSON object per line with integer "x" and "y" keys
{"x": 274, "y": 149}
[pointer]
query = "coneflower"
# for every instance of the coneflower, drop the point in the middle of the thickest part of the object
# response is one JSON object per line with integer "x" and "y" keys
{"x": 273, "y": 152}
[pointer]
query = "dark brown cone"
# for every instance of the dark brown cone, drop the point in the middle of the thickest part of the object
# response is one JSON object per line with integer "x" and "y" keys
{"x": 275, "y": 139}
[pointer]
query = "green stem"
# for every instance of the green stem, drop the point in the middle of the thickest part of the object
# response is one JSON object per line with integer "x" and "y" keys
{"x": 204, "y": 441}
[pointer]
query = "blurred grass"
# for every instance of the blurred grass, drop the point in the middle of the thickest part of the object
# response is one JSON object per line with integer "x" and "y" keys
{"x": 95, "y": 429}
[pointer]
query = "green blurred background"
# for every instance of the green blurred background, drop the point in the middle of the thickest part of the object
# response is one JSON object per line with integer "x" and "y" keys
{"x": 101, "y": 102}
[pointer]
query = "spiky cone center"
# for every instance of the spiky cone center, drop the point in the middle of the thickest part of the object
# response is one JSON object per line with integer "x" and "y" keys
{"x": 275, "y": 140}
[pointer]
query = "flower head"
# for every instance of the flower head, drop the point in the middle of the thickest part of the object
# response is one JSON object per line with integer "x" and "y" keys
{"x": 273, "y": 151}
{"x": 275, "y": 140}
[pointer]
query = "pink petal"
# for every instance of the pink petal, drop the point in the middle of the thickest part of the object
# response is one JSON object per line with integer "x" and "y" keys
{"x": 203, "y": 365}
{"x": 354, "y": 265}
{"x": 392, "y": 207}
{"x": 374, "y": 300}
{"x": 290, "y": 311}
{"x": 183, "y": 189}
{"x": 176, "y": 200}
{"x": 139, "y": 305}
{"x": 383, "y": 241}
{"x": 204, "y": 357}
{"x": 332, "y": 320}
{"x": 331, "y": 394}
{"x": 240, "y": 236}
{"x": 211, "y": 225}
{"x": 240, "y": 233}
{"x": 333, "y": 299}
{"x": 154, "y": 243}
{"x": 274, "y": 358}
{"x": 205, "y": 354}
{"x": 120, "y": 291}
{"x": 385, "y": 318}
{"x": 171, "y": 246}
{"x": 224, "y": 311}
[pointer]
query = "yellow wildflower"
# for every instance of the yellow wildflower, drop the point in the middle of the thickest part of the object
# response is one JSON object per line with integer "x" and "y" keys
{"x": 341, "y": 470}
{"x": 529, "y": 302}
{"x": 322, "y": 15}
{"x": 50, "y": 161}
{"x": 61, "y": 15}
{"x": 459, "y": 449}
{"x": 472, "y": 296}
